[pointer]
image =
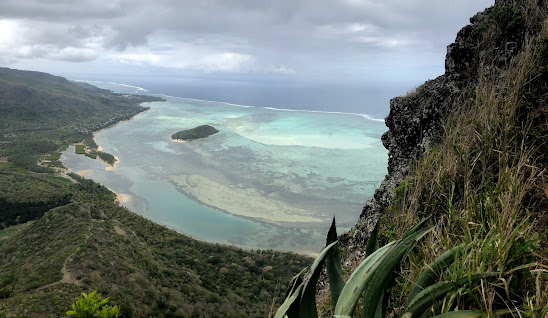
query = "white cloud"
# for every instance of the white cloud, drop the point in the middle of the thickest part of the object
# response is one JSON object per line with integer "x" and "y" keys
{"x": 73, "y": 54}
{"x": 236, "y": 36}
{"x": 227, "y": 62}
{"x": 204, "y": 60}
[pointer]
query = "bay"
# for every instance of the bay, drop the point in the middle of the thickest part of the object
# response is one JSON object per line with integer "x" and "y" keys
{"x": 271, "y": 178}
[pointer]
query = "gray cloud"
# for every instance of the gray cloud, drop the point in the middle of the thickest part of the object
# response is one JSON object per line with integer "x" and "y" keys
{"x": 241, "y": 36}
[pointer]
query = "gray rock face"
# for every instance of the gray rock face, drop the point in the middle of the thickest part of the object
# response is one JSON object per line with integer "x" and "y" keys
{"x": 414, "y": 121}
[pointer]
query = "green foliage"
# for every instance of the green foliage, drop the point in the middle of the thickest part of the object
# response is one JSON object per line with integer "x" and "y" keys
{"x": 382, "y": 277}
{"x": 42, "y": 113}
{"x": 27, "y": 197}
{"x": 195, "y": 133}
{"x": 78, "y": 238}
{"x": 371, "y": 277}
{"x": 109, "y": 312}
{"x": 484, "y": 184}
{"x": 92, "y": 305}
{"x": 507, "y": 20}
{"x": 106, "y": 157}
{"x": 154, "y": 271}
{"x": 80, "y": 149}
{"x": 371, "y": 280}
{"x": 359, "y": 279}
{"x": 308, "y": 298}
{"x": 460, "y": 314}
{"x": 429, "y": 295}
{"x": 433, "y": 270}
{"x": 53, "y": 156}
{"x": 535, "y": 98}
{"x": 333, "y": 265}
{"x": 90, "y": 155}
{"x": 5, "y": 165}
{"x": 373, "y": 241}
{"x": 86, "y": 187}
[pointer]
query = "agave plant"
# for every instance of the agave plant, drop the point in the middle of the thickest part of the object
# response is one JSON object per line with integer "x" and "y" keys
{"x": 371, "y": 278}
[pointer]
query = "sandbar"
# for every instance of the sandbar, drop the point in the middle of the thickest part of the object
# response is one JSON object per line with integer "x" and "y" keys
{"x": 83, "y": 172}
{"x": 246, "y": 202}
{"x": 122, "y": 198}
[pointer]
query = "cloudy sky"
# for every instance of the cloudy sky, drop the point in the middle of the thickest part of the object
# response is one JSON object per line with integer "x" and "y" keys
{"x": 325, "y": 40}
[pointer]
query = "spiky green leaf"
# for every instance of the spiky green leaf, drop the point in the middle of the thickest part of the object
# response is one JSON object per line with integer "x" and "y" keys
{"x": 415, "y": 228}
{"x": 333, "y": 266}
{"x": 432, "y": 271}
{"x": 461, "y": 314}
{"x": 289, "y": 304}
{"x": 295, "y": 282}
{"x": 373, "y": 241}
{"x": 308, "y": 298}
{"x": 379, "y": 281}
{"x": 332, "y": 233}
{"x": 380, "y": 312}
{"x": 358, "y": 280}
{"x": 424, "y": 299}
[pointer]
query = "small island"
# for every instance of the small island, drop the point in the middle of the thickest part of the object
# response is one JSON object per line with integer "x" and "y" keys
{"x": 202, "y": 131}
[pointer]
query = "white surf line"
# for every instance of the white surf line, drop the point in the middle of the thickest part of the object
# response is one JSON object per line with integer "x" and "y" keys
{"x": 324, "y": 112}
{"x": 366, "y": 116}
{"x": 125, "y": 85}
{"x": 113, "y": 83}
{"x": 209, "y": 101}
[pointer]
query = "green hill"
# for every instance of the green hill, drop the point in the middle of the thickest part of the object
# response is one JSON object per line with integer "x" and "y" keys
{"x": 42, "y": 113}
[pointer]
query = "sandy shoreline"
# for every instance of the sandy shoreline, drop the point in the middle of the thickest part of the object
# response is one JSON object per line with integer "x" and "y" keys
{"x": 110, "y": 167}
{"x": 122, "y": 197}
{"x": 81, "y": 172}
{"x": 122, "y": 121}
{"x": 99, "y": 148}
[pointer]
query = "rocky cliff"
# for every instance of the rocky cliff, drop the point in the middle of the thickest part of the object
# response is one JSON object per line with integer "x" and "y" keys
{"x": 415, "y": 121}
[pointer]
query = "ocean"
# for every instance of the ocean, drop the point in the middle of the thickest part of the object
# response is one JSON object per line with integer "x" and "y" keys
{"x": 272, "y": 178}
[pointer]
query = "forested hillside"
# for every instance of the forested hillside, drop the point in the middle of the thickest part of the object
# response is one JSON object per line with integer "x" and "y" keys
{"x": 63, "y": 235}
{"x": 42, "y": 113}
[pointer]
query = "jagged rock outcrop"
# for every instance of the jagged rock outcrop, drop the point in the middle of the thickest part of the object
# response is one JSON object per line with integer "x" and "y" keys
{"x": 415, "y": 120}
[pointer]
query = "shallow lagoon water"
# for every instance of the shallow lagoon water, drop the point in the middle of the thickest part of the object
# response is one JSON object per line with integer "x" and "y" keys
{"x": 269, "y": 179}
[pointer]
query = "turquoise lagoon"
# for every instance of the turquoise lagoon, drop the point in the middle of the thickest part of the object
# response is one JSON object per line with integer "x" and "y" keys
{"x": 271, "y": 178}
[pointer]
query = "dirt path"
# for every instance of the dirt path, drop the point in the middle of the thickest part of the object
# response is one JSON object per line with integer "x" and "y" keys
{"x": 68, "y": 277}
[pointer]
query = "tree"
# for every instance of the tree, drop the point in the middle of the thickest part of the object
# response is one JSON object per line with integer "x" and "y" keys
{"x": 91, "y": 305}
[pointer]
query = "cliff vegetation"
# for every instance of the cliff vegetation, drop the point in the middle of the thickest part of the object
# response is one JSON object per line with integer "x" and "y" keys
{"x": 468, "y": 150}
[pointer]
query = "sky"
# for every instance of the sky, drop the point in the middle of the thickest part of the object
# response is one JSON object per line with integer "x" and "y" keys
{"x": 302, "y": 40}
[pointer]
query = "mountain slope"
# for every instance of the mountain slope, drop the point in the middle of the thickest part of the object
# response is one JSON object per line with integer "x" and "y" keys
{"x": 60, "y": 236}
{"x": 42, "y": 112}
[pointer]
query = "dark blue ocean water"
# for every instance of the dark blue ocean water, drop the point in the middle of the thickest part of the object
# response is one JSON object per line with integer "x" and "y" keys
{"x": 362, "y": 98}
